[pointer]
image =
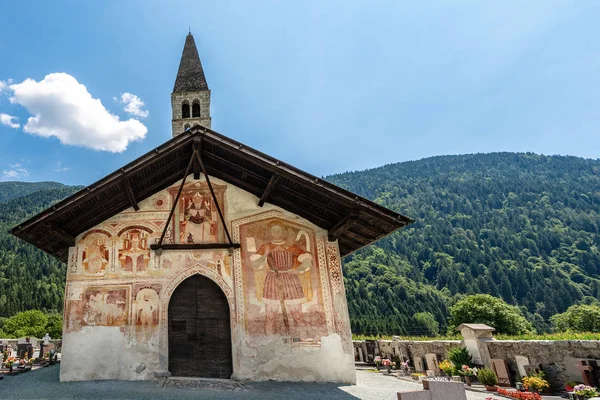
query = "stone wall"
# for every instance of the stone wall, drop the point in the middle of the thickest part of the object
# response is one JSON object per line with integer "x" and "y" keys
{"x": 552, "y": 355}
{"x": 179, "y": 123}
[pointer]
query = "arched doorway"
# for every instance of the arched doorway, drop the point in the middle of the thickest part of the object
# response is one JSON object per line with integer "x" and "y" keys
{"x": 199, "y": 330}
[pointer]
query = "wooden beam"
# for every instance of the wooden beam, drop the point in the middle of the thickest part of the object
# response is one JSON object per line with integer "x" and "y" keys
{"x": 268, "y": 189}
{"x": 198, "y": 155}
{"x": 130, "y": 195}
{"x": 343, "y": 224}
{"x": 65, "y": 236}
{"x": 197, "y": 143}
{"x": 195, "y": 246}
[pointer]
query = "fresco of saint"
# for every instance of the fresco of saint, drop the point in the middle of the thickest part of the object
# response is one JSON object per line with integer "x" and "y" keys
{"x": 282, "y": 276}
{"x": 134, "y": 256}
{"x": 199, "y": 224}
{"x": 95, "y": 253}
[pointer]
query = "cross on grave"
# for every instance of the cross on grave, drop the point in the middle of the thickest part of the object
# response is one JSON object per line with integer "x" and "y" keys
{"x": 589, "y": 372}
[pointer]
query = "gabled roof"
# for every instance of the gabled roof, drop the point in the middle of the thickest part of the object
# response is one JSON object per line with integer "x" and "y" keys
{"x": 353, "y": 220}
{"x": 190, "y": 76}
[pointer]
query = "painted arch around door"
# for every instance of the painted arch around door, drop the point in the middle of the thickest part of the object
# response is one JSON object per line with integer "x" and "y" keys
{"x": 199, "y": 330}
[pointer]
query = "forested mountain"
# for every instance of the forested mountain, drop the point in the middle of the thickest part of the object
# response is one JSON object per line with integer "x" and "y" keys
{"x": 12, "y": 190}
{"x": 522, "y": 227}
{"x": 29, "y": 278}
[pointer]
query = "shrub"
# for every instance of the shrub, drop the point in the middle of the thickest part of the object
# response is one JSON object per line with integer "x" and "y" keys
{"x": 486, "y": 309}
{"x": 460, "y": 356}
{"x": 487, "y": 377}
{"x": 578, "y": 318}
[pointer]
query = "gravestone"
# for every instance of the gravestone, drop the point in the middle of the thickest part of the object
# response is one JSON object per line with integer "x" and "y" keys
{"x": 23, "y": 348}
{"x": 447, "y": 390}
{"x": 371, "y": 350}
{"x": 416, "y": 395}
{"x": 589, "y": 372}
{"x": 46, "y": 349}
{"x": 522, "y": 361}
{"x": 500, "y": 367}
{"x": 532, "y": 369}
{"x": 418, "y": 361}
{"x": 432, "y": 363}
{"x": 360, "y": 354}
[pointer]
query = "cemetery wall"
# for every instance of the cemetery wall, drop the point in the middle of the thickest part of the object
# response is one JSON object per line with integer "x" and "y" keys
{"x": 558, "y": 358}
{"x": 552, "y": 355}
{"x": 117, "y": 296}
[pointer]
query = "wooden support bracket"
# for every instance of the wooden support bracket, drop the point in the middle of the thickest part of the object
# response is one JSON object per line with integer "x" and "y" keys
{"x": 268, "y": 189}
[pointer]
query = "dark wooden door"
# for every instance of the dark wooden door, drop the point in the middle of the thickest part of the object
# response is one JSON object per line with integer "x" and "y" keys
{"x": 199, "y": 330}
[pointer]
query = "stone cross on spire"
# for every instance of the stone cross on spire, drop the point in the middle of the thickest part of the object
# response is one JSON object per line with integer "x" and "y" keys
{"x": 190, "y": 100}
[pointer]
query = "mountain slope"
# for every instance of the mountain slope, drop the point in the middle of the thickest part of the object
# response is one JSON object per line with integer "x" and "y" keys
{"x": 13, "y": 190}
{"x": 29, "y": 278}
{"x": 523, "y": 227}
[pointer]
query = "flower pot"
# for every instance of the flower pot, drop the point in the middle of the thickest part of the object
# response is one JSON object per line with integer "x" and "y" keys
{"x": 468, "y": 380}
{"x": 491, "y": 388}
{"x": 425, "y": 384}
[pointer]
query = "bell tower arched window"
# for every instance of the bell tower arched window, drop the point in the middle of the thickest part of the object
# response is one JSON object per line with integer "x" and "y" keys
{"x": 196, "y": 109}
{"x": 185, "y": 109}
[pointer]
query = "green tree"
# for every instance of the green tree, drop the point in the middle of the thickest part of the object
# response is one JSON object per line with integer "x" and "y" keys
{"x": 425, "y": 322}
{"x": 578, "y": 318}
{"x": 489, "y": 310}
{"x": 28, "y": 323}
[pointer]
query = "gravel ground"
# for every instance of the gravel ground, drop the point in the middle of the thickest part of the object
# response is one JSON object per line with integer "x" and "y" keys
{"x": 44, "y": 384}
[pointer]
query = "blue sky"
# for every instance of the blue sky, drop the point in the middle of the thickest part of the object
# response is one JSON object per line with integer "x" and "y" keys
{"x": 326, "y": 86}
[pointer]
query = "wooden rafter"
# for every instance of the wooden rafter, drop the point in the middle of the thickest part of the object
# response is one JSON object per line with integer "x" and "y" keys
{"x": 197, "y": 154}
{"x": 65, "y": 236}
{"x": 268, "y": 189}
{"x": 343, "y": 224}
{"x": 130, "y": 195}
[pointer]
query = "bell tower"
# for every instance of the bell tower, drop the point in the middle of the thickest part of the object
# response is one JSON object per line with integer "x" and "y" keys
{"x": 190, "y": 100}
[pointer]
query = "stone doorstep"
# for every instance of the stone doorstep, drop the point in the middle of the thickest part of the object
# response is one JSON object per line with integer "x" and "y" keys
{"x": 203, "y": 383}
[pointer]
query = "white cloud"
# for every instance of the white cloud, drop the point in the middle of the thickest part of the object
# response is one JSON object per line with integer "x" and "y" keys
{"x": 9, "y": 120}
{"x": 17, "y": 172}
{"x": 60, "y": 168}
{"x": 133, "y": 105}
{"x": 63, "y": 108}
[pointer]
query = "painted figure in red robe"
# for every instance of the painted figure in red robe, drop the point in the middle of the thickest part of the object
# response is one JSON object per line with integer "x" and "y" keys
{"x": 280, "y": 262}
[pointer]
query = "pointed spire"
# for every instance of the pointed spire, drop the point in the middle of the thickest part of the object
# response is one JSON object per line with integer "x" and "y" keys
{"x": 190, "y": 77}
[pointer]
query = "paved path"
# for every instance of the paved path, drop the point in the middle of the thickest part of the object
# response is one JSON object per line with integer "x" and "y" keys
{"x": 44, "y": 384}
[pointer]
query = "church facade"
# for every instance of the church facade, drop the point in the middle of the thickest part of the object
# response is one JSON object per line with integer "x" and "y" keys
{"x": 206, "y": 258}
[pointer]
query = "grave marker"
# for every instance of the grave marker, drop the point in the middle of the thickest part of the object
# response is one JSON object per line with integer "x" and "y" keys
{"x": 500, "y": 367}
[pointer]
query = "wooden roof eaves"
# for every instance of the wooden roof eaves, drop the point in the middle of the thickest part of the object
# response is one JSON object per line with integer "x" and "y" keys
{"x": 109, "y": 180}
{"x": 388, "y": 217}
{"x": 310, "y": 180}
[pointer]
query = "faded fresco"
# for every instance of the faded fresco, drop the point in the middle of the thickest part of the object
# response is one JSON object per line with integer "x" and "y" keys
{"x": 99, "y": 306}
{"x": 134, "y": 254}
{"x": 196, "y": 219}
{"x": 95, "y": 255}
{"x": 280, "y": 273}
{"x": 146, "y": 305}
